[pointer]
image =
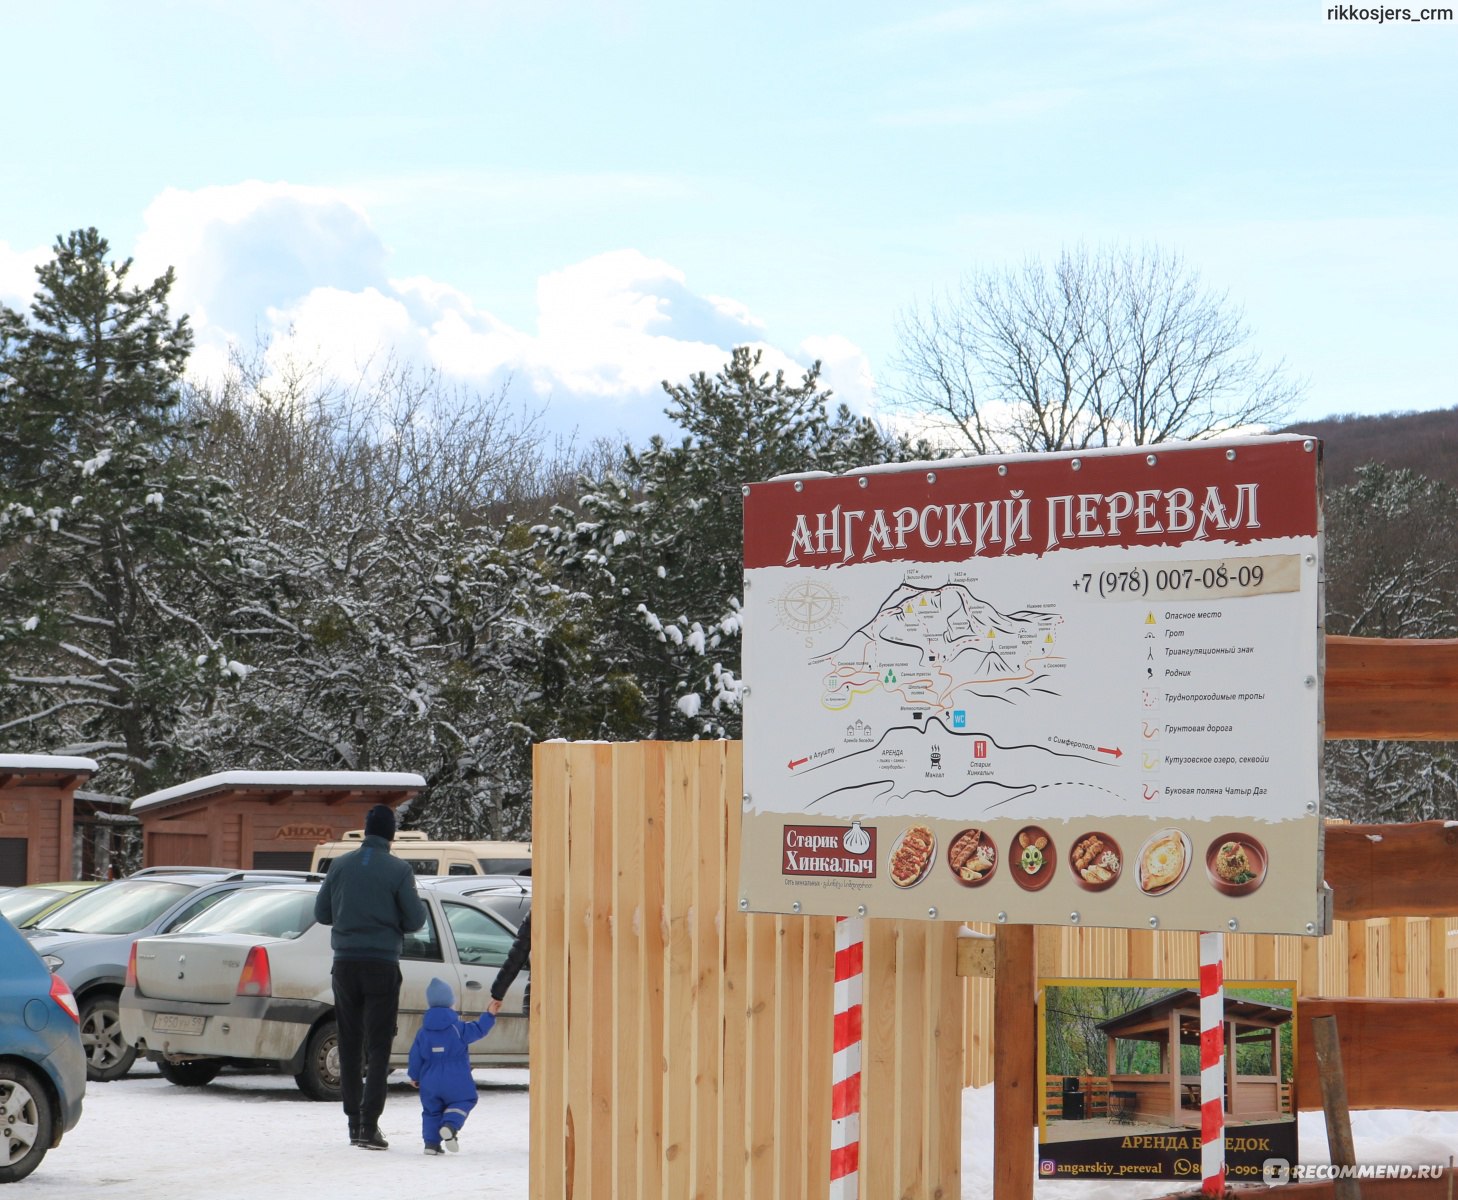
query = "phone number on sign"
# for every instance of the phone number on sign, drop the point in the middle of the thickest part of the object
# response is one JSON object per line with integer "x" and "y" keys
{"x": 1216, "y": 578}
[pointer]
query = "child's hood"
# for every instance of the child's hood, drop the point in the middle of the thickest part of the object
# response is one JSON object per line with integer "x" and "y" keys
{"x": 438, "y": 1018}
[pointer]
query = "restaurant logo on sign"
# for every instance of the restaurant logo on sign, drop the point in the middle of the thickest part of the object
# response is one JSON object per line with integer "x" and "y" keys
{"x": 840, "y": 851}
{"x": 303, "y": 833}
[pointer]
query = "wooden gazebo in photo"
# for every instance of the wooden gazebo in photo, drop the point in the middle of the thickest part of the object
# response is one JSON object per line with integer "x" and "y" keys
{"x": 1173, "y": 1021}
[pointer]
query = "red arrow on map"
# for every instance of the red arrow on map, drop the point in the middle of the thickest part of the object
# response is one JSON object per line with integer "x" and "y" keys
{"x": 798, "y": 762}
{"x": 1116, "y": 752}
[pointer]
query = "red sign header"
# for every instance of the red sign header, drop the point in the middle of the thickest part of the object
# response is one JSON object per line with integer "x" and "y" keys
{"x": 1166, "y": 495}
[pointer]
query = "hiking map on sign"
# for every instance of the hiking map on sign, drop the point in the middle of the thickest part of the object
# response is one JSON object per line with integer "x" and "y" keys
{"x": 1046, "y": 689}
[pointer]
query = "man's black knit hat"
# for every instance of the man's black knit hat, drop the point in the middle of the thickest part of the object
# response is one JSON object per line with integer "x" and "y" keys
{"x": 380, "y": 821}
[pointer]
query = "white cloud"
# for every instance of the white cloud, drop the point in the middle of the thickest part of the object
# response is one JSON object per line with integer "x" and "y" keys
{"x": 348, "y": 330}
{"x": 845, "y": 370}
{"x": 245, "y": 247}
{"x": 303, "y": 270}
{"x": 620, "y": 323}
{"x": 17, "y": 275}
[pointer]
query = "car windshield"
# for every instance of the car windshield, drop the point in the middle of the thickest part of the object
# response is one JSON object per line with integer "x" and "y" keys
{"x": 25, "y": 902}
{"x": 121, "y": 907}
{"x": 264, "y": 912}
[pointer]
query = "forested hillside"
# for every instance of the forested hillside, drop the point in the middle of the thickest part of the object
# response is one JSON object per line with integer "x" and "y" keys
{"x": 1425, "y": 442}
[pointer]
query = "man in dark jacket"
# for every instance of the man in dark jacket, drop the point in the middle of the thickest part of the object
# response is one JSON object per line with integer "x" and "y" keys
{"x": 369, "y": 898}
{"x": 516, "y": 958}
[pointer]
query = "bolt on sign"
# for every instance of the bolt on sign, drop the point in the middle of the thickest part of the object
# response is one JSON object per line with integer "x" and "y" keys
{"x": 1078, "y": 688}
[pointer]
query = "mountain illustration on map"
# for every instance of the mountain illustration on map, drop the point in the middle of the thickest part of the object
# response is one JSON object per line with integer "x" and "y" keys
{"x": 928, "y": 643}
{"x": 950, "y": 706}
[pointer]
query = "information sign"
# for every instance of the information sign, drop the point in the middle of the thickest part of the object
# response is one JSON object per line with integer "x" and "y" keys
{"x": 1069, "y": 688}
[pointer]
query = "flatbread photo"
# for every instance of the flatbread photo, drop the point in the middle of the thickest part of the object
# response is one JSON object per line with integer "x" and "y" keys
{"x": 1163, "y": 861}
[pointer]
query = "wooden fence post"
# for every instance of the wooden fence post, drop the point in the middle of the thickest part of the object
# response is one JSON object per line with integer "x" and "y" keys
{"x": 1334, "y": 1103}
{"x": 1015, "y": 1065}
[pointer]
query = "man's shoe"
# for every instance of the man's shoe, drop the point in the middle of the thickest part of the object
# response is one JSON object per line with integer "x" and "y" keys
{"x": 448, "y": 1138}
{"x": 354, "y": 1133}
{"x": 433, "y": 1148}
{"x": 370, "y": 1138}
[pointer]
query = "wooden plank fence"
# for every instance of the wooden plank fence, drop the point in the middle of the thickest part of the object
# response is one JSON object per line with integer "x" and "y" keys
{"x": 682, "y": 1049}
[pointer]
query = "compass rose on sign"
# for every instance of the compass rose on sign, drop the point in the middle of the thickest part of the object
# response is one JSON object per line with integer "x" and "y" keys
{"x": 808, "y": 607}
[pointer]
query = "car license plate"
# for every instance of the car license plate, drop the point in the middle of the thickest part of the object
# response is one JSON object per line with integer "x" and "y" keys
{"x": 177, "y": 1023}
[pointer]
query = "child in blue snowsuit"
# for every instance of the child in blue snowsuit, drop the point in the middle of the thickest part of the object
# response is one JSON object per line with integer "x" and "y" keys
{"x": 440, "y": 1067}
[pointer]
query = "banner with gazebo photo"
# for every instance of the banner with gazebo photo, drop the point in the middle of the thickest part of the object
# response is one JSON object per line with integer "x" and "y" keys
{"x": 1119, "y": 1062}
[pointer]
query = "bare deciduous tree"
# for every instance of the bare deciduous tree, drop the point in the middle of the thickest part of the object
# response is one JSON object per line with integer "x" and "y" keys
{"x": 1106, "y": 348}
{"x": 302, "y": 444}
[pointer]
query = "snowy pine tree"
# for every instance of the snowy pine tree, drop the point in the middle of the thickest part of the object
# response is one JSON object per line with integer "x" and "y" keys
{"x": 659, "y": 543}
{"x": 115, "y": 572}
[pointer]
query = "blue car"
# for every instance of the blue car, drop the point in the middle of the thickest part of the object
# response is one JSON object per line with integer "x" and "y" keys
{"x": 42, "y": 1067}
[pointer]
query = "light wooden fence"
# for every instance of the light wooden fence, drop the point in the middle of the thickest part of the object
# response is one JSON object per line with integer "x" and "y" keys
{"x": 682, "y": 1049}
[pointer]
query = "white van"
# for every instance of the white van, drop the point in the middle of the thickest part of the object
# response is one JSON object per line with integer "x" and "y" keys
{"x": 438, "y": 858}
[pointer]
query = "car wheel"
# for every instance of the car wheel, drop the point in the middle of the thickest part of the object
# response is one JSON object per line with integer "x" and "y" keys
{"x": 27, "y": 1121}
{"x": 108, "y": 1056}
{"x": 319, "y": 1080}
{"x": 198, "y": 1072}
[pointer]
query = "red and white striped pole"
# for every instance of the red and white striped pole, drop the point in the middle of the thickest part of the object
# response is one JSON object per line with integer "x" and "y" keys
{"x": 845, "y": 1102}
{"x": 1212, "y": 1064}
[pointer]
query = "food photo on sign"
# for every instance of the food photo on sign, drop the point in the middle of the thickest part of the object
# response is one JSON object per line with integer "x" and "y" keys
{"x": 1119, "y": 1074}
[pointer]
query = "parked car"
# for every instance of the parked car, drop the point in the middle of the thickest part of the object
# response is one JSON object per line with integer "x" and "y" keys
{"x": 87, "y": 941}
{"x": 248, "y": 982}
{"x": 28, "y": 904}
{"x": 508, "y": 896}
{"x": 42, "y": 1067}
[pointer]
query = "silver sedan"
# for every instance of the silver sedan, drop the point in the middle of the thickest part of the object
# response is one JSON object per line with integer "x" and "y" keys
{"x": 247, "y": 983}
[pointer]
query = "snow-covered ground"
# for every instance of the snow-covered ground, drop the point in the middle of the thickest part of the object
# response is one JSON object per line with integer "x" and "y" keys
{"x": 255, "y": 1137}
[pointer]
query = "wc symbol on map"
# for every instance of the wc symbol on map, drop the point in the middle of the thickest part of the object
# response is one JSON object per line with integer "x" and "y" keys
{"x": 959, "y": 718}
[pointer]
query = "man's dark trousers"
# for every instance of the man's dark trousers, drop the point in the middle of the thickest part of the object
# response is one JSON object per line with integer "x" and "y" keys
{"x": 366, "y": 1006}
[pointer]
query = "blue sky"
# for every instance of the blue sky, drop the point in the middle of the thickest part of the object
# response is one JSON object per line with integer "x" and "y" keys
{"x": 588, "y": 198}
